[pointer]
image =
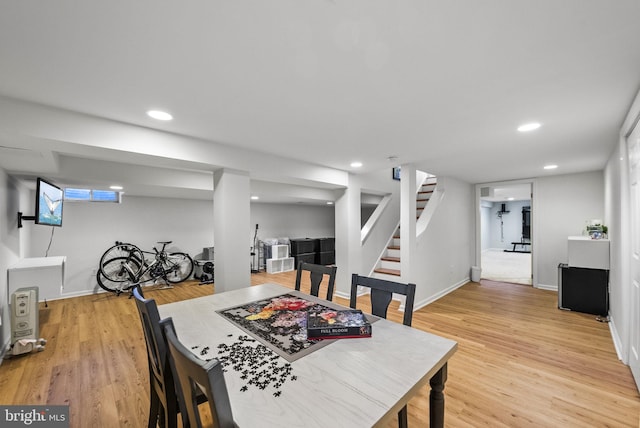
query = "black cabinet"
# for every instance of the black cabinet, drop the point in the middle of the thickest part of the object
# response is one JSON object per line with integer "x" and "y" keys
{"x": 320, "y": 251}
{"x": 583, "y": 290}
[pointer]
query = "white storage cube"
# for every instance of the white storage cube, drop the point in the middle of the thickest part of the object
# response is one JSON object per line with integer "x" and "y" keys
{"x": 280, "y": 265}
{"x": 279, "y": 251}
{"x": 288, "y": 264}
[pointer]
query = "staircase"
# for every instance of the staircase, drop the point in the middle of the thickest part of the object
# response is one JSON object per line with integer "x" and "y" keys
{"x": 389, "y": 263}
{"x": 424, "y": 194}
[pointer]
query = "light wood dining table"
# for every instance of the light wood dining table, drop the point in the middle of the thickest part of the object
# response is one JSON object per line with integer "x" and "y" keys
{"x": 346, "y": 383}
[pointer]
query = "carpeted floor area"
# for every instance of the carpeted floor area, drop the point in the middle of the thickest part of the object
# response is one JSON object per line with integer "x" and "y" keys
{"x": 506, "y": 267}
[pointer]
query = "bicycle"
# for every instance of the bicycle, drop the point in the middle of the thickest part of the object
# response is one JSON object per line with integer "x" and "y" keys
{"x": 124, "y": 265}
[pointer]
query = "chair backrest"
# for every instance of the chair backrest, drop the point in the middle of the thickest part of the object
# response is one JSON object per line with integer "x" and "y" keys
{"x": 197, "y": 376}
{"x": 381, "y": 294}
{"x": 317, "y": 273}
{"x": 161, "y": 376}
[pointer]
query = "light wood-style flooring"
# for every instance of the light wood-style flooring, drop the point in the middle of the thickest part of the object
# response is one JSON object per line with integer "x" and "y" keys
{"x": 521, "y": 362}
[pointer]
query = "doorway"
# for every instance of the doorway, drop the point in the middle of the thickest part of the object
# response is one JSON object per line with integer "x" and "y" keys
{"x": 506, "y": 247}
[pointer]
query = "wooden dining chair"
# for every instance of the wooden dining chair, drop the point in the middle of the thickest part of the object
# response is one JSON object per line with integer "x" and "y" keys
{"x": 196, "y": 376}
{"x": 317, "y": 273}
{"x": 164, "y": 397}
{"x": 382, "y": 292}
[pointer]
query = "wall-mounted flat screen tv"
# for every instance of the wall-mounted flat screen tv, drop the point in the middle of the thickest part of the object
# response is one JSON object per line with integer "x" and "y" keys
{"x": 49, "y": 199}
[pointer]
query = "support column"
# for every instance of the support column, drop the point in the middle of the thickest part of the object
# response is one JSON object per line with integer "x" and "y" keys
{"x": 231, "y": 209}
{"x": 348, "y": 247}
{"x": 408, "y": 214}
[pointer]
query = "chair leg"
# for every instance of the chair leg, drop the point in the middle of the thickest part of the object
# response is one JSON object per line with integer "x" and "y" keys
{"x": 154, "y": 409}
{"x": 403, "y": 418}
{"x": 171, "y": 412}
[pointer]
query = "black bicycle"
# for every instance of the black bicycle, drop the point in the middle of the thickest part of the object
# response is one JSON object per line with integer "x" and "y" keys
{"x": 124, "y": 265}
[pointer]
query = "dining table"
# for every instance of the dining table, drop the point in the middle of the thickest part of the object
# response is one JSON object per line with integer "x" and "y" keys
{"x": 276, "y": 378}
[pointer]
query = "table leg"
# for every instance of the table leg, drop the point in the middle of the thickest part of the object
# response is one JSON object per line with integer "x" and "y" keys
{"x": 436, "y": 398}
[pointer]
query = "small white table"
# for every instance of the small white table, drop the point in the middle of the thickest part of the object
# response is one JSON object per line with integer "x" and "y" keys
{"x": 348, "y": 383}
{"x": 46, "y": 273}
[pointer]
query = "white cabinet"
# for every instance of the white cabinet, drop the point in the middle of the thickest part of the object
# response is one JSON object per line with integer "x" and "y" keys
{"x": 584, "y": 252}
{"x": 46, "y": 273}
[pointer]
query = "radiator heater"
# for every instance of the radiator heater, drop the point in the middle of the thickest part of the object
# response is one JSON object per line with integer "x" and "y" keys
{"x": 25, "y": 327}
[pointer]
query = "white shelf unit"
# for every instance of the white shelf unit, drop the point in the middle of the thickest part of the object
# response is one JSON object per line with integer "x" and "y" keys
{"x": 280, "y": 265}
{"x": 46, "y": 273}
{"x": 280, "y": 261}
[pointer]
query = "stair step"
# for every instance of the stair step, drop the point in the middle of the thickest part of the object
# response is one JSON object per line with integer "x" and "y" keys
{"x": 394, "y": 272}
{"x": 393, "y": 247}
{"x": 390, "y": 259}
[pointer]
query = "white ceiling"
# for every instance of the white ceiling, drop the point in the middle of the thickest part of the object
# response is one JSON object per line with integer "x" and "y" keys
{"x": 442, "y": 84}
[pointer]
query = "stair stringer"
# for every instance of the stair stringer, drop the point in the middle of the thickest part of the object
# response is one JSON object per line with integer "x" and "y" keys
{"x": 430, "y": 209}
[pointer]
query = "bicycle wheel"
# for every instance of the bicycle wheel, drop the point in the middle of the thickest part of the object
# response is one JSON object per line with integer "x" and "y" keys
{"x": 114, "y": 286}
{"x": 120, "y": 269}
{"x": 113, "y": 261}
{"x": 178, "y": 267}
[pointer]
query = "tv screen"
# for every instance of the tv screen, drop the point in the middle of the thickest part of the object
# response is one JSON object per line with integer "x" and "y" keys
{"x": 49, "y": 198}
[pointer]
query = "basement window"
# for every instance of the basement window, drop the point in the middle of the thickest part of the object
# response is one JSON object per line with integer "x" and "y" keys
{"x": 91, "y": 195}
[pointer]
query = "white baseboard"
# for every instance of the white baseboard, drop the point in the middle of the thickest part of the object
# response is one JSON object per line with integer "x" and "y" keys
{"x": 424, "y": 302}
{"x": 617, "y": 343}
{"x": 546, "y": 287}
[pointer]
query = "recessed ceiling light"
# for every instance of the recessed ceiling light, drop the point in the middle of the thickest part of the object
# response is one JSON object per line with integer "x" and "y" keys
{"x": 550, "y": 166}
{"x": 356, "y": 164}
{"x": 115, "y": 187}
{"x": 529, "y": 127}
{"x": 255, "y": 198}
{"x": 159, "y": 115}
{"x": 329, "y": 203}
{"x": 510, "y": 199}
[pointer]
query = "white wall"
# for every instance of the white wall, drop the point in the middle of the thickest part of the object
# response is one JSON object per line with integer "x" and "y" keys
{"x": 485, "y": 224}
{"x": 446, "y": 250}
{"x": 9, "y": 246}
{"x": 377, "y": 239}
{"x": 618, "y": 200}
{"x": 88, "y": 229}
{"x": 512, "y": 224}
{"x": 563, "y": 205}
{"x": 292, "y": 221}
{"x": 619, "y": 289}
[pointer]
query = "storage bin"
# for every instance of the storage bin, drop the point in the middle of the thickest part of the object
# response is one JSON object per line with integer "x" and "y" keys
{"x": 326, "y": 244}
{"x": 325, "y": 258}
{"x": 306, "y": 258}
{"x": 303, "y": 246}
